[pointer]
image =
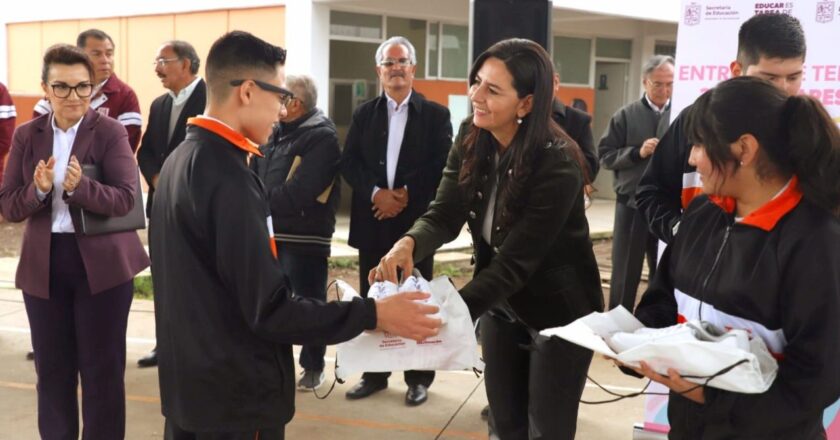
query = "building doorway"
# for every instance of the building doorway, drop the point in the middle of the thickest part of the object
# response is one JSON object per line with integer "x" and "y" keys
{"x": 610, "y": 94}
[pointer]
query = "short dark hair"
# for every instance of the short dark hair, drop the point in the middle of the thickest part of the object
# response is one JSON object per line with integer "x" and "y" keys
{"x": 185, "y": 51}
{"x": 795, "y": 133}
{"x": 770, "y": 36}
{"x": 81, "y": 40}
{"x": 67, "y": 55}
{"x": 240, "y": 55}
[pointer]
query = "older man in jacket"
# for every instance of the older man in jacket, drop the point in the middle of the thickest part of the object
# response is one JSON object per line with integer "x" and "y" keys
{"x": 176, "y": 64}
{"x": 393, "y": 159}
{"x": 299, "y": 167}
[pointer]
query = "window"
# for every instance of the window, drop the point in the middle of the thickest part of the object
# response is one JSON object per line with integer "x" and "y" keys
{"x": 454, "y": 42}
{"x": 434, "y": 29}
{"x": 572, "y": 59}
{"x": 415, "y": 31}
{"x": 613, "y": 48}
{"x": 665, "y": 48}
{"x": 348, "y": 24}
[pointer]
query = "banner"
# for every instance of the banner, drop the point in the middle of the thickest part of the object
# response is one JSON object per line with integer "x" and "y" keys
{"x": 707, "y": 43}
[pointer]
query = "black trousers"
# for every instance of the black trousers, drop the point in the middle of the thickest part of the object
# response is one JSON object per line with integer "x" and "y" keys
{"x": 367, "y": 261}
{"x": 308, "y": 275}
{"x": 76, "y": 334}
{"x": 533, "y": 383}
{"x": 173, "y": 432}
{"x": 632, "y": 241}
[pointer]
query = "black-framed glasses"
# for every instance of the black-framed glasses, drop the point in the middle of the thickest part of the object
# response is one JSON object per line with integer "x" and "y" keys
{"x": 286, "y": 96}
{"x": 62, "y": 90}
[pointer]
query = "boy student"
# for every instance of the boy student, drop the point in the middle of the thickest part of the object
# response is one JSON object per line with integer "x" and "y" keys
{"x": 224, "y": 311}
{"x": 771, "y": 47}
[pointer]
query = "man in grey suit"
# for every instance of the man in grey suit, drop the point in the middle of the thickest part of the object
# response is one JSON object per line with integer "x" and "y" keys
{"x": 176, "y": 65}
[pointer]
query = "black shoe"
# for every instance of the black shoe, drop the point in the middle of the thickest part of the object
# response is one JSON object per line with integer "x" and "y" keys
{"x": 416, "y": 395}
{"x": 149, "y": 360}
{"x": 365, "y": 388}
{"x": 485, "y": 412}
{"x": 30, "y": 356}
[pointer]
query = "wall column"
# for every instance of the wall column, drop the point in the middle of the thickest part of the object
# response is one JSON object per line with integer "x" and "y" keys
{"x": 308, "y": 42}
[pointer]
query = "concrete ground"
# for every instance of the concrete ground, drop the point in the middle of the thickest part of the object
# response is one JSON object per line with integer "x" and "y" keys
{"x": 455, "y": 398}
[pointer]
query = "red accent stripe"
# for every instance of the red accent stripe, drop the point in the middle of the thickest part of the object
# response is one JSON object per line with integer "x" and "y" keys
{"x": 273, "y": 246}
{"x": 688, "y": 194}
{"x": 234, "y": 137}
{"x": 681, "y": 319}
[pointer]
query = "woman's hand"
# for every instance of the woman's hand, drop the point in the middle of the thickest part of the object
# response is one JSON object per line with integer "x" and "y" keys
{"x": 44, "y": 175}
{"x": 675, "y": 382}
{"x": 73, "y": 175}
{"x": 400, "y": 256}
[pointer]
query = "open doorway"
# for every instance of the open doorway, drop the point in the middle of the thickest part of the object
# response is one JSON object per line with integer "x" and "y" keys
{"x": 610, "y": 94}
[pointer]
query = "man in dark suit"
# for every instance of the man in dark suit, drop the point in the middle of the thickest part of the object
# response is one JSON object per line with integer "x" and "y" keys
{"x": 393, "y": 159}
{"x": 176, "y": 65}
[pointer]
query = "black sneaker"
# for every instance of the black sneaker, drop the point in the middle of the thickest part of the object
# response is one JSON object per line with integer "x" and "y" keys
{"x": 310, "y": 380}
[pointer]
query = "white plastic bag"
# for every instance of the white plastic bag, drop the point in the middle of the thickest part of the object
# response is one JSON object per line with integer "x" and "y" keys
{"x": 454, "y": 348}
{"x": 755, "y": 371}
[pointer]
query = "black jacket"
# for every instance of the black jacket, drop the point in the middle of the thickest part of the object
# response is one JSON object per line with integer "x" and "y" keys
{"x": 578, "y": 125}
{"x": 621, "y": 145}
{"x": 427, "y": 139}
{"x": 301, "y": 222}
{"x": 660, "y": 195}
{"x": 542, "y": 264}
{"x": 154, "y": 149}
{"x": 776, "y": 273}
{"x": 224, "y": 312}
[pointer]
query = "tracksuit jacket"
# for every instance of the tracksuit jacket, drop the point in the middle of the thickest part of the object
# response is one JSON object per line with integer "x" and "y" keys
{"x": 669, "y": 182}
{"x": 775, "y": 273}
{"x": 225, "y": 314}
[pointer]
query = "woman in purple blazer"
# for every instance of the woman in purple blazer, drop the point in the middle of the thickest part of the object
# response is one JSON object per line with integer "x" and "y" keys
{"x": 77, "y": 288}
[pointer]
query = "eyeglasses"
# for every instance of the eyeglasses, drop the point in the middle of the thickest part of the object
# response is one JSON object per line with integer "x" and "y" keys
{"x": 661, "y": 85}
{"x": 390, "y": 62}
{"x": 61, "y": 90}
{"x": 286, "y": 96}
{"x": 162, "y": 62}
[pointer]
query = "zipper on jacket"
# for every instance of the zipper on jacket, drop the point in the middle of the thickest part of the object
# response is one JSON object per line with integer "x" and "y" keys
{"x": 712, "y": 270}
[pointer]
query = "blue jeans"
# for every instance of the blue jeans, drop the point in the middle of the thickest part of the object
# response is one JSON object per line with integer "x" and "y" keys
{"x": 308, "y": 275}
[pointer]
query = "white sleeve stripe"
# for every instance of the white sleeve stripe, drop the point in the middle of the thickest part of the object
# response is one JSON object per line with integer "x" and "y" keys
{"x": 43, "y": 107}
{"x": 130, "y": 118}
{"x": 7, "y": 111}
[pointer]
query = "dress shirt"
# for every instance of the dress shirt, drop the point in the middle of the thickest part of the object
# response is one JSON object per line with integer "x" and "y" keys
{"x": 62, "y": 146}
{"x": 655, "y": 107}
{"x": 179, "y": 101}
{"x": 397, "y": 119}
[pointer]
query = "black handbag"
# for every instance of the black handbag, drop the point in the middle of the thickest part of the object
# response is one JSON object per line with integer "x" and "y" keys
{"x": 92, "y": 223}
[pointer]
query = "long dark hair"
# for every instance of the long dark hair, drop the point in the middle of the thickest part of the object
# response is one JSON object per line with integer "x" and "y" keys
{"x": 796, "y": 135}
{"x": 531, "y": 68}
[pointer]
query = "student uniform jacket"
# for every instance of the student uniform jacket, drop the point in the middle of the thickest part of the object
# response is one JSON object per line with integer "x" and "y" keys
{"x": 224, "y": 312}
{"x": 669, "y": 182}
{"x": 776, "y": 273}
{"x": 540, "y": 265}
